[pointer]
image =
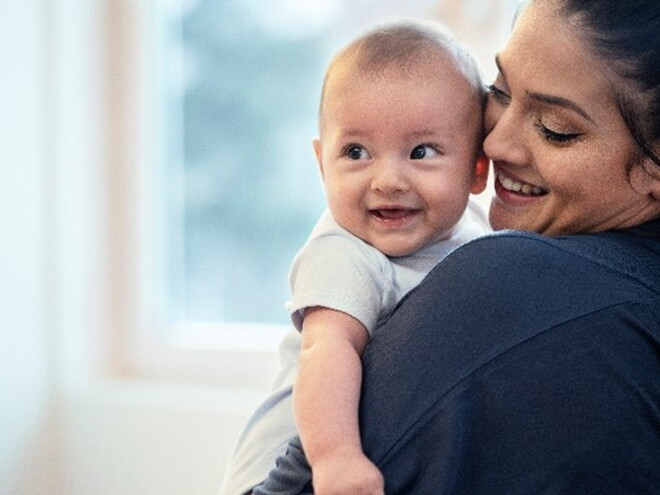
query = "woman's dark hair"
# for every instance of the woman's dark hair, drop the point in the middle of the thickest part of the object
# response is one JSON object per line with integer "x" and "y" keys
{"x": 626, "y": 34}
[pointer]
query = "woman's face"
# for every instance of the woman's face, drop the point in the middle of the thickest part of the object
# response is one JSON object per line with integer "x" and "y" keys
{"x": 561, "y": 151}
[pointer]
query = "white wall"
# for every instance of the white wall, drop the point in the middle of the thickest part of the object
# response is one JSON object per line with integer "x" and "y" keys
{"x": 65, "y": 427}
{"x": 146, "y": 439}
{"x": 24, "y": 378}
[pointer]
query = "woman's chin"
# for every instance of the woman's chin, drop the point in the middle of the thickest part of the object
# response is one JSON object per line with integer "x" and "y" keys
{"x": 504, "y": 216}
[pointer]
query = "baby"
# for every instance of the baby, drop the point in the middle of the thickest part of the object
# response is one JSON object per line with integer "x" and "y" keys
{"x": 399, "y": 153}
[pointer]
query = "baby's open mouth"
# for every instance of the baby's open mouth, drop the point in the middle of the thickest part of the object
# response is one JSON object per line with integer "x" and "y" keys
{"x": 392, "y": 213}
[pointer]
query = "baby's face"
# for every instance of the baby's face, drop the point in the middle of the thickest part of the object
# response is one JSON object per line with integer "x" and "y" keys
{"x": 398, "y": 154}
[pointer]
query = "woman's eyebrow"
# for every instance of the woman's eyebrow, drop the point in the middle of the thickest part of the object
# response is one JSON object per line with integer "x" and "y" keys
{"x": 561, "y": 102}
{"x": 549, "y": 99}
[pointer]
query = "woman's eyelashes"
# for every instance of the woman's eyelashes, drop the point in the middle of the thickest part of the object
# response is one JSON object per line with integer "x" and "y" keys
{"x": 501, "y": 97}
{"x": 498, "y": 94}
{"x": 554, "y": 136}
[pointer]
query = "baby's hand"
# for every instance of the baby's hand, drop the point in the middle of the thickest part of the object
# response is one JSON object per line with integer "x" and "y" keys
{"x": 352, "y": 475}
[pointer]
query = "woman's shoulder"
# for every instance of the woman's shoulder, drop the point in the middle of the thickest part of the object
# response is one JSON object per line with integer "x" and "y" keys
{"x": 524, "y": 272}
{"x": 646, "y": 237}
{"x": 516, "y": 249}
{"x": 633, "y": 253}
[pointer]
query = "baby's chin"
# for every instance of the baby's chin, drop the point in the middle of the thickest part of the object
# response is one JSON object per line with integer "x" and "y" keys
{"x": 398, "y": 250}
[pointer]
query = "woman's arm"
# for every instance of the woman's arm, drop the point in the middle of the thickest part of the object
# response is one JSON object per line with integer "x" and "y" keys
{"x": 326, "y": 398}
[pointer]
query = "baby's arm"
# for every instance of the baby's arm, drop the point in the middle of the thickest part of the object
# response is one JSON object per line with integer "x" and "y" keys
{"x": 326, "y": 398}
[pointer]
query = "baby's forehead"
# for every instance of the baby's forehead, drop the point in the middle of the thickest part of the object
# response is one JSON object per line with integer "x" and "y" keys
{"x": 441, "y": 72}
{"x": 408, "y": 102}
{"x": 420, "y": 62}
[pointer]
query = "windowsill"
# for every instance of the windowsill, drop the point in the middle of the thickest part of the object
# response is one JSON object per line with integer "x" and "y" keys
{"x": 227, "y": 337}
{"x": 239, "y": 357}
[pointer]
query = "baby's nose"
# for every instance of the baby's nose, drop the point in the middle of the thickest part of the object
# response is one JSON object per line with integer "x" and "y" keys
{"x": 390, "y": 178}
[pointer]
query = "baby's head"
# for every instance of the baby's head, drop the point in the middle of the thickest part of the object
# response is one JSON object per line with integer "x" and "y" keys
{"x": 400, "y": 135}
{"x": 404, "y": 48}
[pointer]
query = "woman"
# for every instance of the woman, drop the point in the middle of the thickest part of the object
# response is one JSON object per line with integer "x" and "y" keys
{"x": 529, "y": 361}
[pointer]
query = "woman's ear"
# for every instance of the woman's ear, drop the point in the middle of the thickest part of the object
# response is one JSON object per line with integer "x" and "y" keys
{"x": 316, "y": 142}
{"x": 645, "y": 178}
{"x": 480, "y": 175}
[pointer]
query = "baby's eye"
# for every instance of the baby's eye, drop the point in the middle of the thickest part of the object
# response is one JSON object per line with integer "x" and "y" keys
{"x": 356, "y": 152}
{"x": 423, "y": 151}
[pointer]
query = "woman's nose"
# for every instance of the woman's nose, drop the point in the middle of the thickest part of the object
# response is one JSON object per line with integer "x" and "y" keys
{"x": 390, "y": 178}
{"x": 505, "y": 138}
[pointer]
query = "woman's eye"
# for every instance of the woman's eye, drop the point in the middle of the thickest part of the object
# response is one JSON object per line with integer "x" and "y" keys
{"x": 423, "y": 151}
{"x": 556, "y": 137}
{"x": 498, "y": 94}
{"x": 356, "y": 152}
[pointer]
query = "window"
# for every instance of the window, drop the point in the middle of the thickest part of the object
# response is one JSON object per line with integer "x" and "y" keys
{"x": 233, "y": 88}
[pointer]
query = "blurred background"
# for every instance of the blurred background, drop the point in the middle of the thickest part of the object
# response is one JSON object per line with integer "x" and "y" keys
{"x": 157, "y": 180}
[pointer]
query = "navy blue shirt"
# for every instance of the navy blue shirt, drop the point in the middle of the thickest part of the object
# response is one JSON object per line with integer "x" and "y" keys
{"x": 522, "y": 364}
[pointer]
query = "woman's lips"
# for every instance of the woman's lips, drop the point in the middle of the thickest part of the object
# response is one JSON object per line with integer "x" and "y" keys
{"x": 517, "y": 187}
{"x": 514, "y": 192}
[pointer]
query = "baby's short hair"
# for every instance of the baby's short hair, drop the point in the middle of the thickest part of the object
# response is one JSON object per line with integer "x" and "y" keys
{"x": 404, "y": 46}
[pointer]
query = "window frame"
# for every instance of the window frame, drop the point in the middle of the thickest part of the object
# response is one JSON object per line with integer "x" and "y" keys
{"x": 231, "y": 355}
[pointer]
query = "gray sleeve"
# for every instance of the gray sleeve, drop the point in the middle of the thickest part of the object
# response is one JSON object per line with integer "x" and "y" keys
{"x": 344, "y": 274}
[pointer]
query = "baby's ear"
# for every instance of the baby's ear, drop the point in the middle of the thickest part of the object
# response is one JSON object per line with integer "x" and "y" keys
{"x": 316, "y": 142}
{"x": 645, "y": 178}
{"x": 480, "y": 175}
